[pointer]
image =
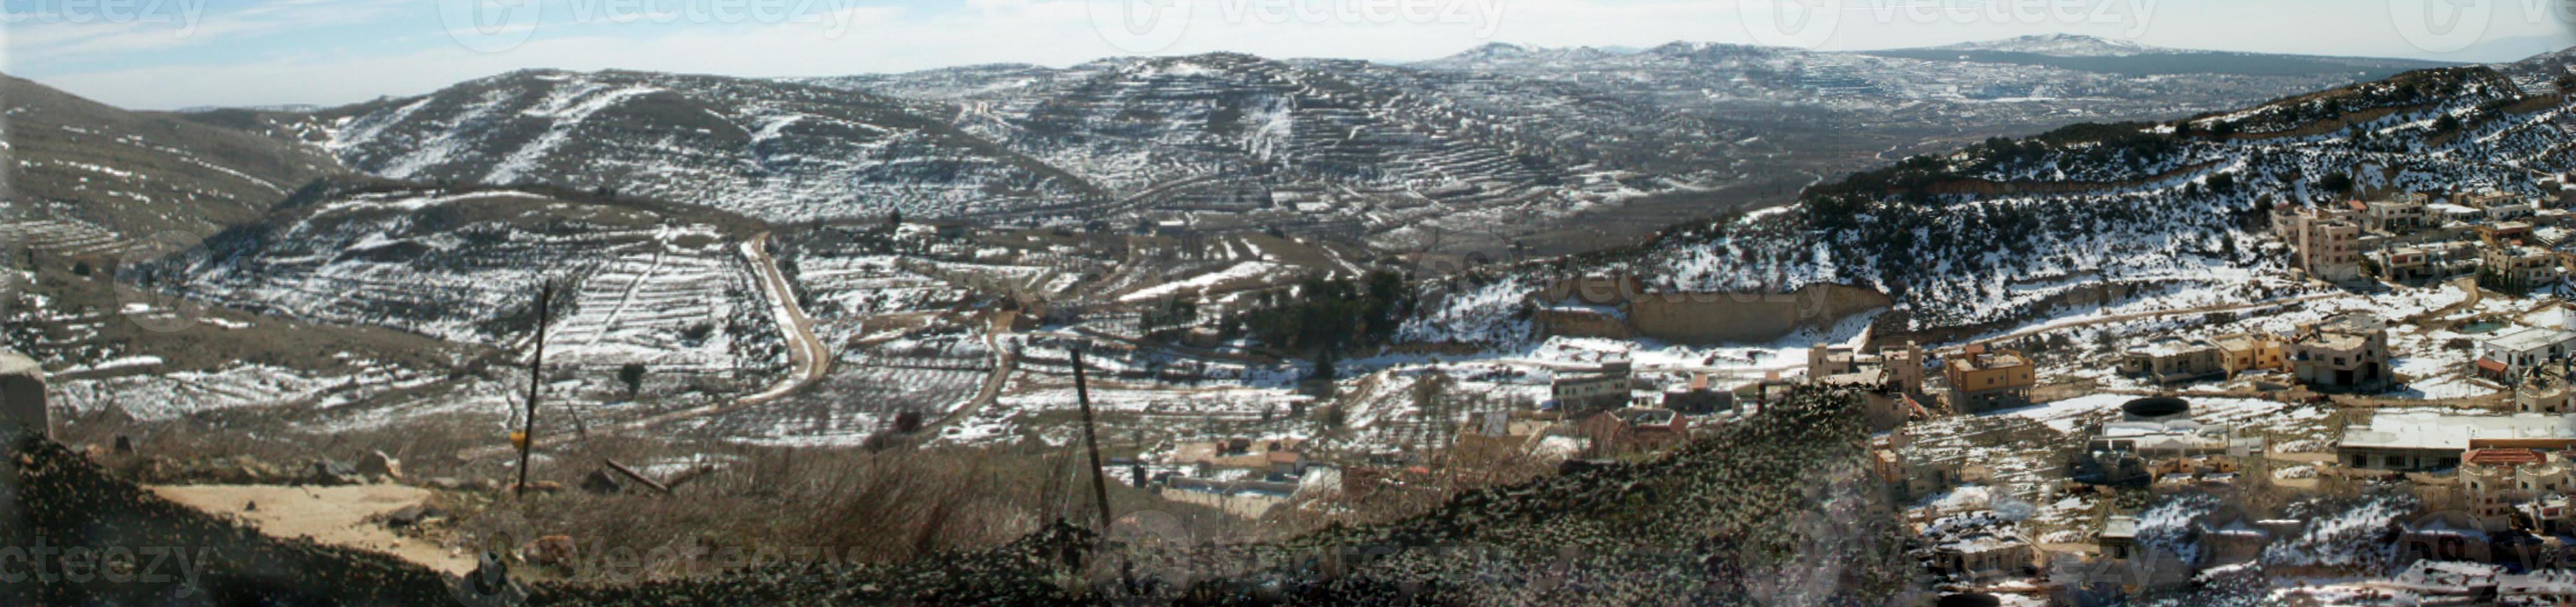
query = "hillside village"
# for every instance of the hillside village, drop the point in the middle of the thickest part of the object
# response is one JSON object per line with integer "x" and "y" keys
{"x": 2319, "y": 350}
{"x": 2408, "y": 415}
{"x": 2338, "y": 431}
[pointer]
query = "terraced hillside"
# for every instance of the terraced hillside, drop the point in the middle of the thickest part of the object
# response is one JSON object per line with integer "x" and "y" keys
{"x": 1512, "y": 136}
{"x": 115, "y": 352}
{"x": 131, "y": 174}
{"x": 639, "y": 282}
{"x": 1157, "y": 128}
{"x": 1750, "y": 90}
{"x": 769, "y": 149}
{"x": 1393, "y": 155}
{"x": 2010, "y": 229}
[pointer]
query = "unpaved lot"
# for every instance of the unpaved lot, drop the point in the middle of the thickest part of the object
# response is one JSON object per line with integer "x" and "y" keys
{"x": 330, "y": 515}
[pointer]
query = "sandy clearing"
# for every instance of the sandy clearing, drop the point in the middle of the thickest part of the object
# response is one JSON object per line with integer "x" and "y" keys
{"x": 330, "y": 515}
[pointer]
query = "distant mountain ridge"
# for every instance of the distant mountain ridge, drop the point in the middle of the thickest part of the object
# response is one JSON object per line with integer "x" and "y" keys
{"x": 137, "y": 173}
{"x": 2064, "y": 45}
{"x": 1499, "y": 135}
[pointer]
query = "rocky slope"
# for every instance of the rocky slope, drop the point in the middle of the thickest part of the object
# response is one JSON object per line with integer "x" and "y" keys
{"x": 1770, "y": 511}
{"x": 2009, "y": 229}
{"x": 1498, "y": 135}
{"x": 133, "y": 174}
{"x": 774, "y": 150}
{"x": 1506, "y": 134}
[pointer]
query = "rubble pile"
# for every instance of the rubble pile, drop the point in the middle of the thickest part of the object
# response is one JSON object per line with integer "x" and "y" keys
{"x": 172, "y": 553}
{"x": 1775, "y": 510}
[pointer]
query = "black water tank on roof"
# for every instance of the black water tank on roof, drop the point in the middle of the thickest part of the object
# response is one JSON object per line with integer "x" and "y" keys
{"x": 2156, "y": 409}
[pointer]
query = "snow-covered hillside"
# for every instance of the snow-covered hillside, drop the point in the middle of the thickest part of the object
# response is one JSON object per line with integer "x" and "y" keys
{"x": 1498, "y": 135}
{"x": 769, "y": 149}
{"x": 2008, "y": 229}
{"x": 133, "y": 174}
{"x": 634, "y": 285}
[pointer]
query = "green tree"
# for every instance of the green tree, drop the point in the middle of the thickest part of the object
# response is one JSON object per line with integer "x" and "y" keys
{"x": 632, "y": 374}
{"x": 2337, "y": 182}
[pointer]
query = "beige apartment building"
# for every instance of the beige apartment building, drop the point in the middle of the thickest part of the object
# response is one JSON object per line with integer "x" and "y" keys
{"x": 2519, "y": 266}
{"x": 1985, "y": 380}
{"x": 2324, "y": 243}
{"x": 2243, "y": 352}
{"x": 2347, "y": 352}
{"x": 2393, "y": 215}
{"x": 2173, "y": 360}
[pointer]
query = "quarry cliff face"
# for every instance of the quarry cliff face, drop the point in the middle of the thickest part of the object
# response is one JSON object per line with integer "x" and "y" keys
{"x": 1747, "y": 317}
{"x": 1622, "y": 309}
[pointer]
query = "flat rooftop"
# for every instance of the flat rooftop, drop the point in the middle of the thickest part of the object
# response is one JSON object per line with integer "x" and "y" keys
{"x": 2169, "y": 346}
{"x": 2531, "y": 338}
{"x": 1989, "y": 360}
{"x": 2417, "y": 430}
{"x": 2357, "y": 321}
{"x": 2120, "y": 526}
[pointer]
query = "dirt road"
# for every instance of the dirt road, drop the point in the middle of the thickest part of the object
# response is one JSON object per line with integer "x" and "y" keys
{"x": 807, "y": 355}
{"x": 1003, "y": 365}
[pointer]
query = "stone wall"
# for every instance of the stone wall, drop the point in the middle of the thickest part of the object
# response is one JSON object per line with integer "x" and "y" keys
{"x": 1702, "y": 318}
{"x": 22, "y": 396}
{"x": 1583, "y": 323}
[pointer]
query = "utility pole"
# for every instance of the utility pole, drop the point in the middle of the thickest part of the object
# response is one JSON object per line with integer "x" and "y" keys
{"x": 1091, "y": 441}
{"x": 528, "y": 432}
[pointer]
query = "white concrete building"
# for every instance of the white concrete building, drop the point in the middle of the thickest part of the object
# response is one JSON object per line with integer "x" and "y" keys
{"x": 2434, "y": 441}
{"x": 2507, "y": 354}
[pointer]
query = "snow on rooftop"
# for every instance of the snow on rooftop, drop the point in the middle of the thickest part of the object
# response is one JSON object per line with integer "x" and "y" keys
{"x": 2422, "y": 430}
{"x": 2169, "y": 346}
{"x": 2531, "y": 338}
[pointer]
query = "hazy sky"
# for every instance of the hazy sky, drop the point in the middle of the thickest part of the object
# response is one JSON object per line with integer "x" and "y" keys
{"x": 160, "y": 54}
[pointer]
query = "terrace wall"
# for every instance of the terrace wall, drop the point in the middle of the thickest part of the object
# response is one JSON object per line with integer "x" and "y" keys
{"x": 22, "y": 404}
{"x": 1747, "y": 317}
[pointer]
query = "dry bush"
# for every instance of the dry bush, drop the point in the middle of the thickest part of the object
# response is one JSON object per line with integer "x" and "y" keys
{"x": 427, "y": 446}
{"x": 890, "y": 503}
{"x": 853, "y": 504}
{"x": 1463, "y": 467}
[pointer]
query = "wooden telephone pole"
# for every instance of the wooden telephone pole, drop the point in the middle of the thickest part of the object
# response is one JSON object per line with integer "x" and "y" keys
{"x": 528, "y": 432}
{"x": 1091, "y": 441}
